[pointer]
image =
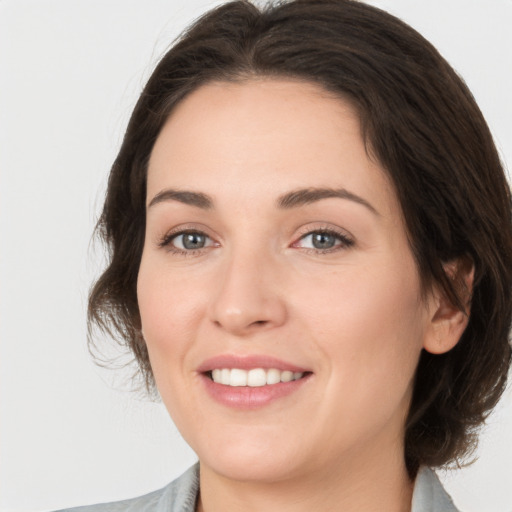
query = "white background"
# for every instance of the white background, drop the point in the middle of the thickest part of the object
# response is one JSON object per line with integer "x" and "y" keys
{"x": 70, "y": 72}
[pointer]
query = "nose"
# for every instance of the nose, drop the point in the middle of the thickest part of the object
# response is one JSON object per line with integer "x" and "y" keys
{"x": 249, "y": 297}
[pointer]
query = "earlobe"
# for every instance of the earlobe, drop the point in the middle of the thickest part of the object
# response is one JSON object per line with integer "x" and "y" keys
{"x": 447, "y": 320}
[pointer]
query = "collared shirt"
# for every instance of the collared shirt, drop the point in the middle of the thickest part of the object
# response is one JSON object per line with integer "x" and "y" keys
{"x": 181, "y": 496}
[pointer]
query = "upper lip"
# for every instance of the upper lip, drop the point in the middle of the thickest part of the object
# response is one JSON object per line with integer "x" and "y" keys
{"x": 247, "y": 362}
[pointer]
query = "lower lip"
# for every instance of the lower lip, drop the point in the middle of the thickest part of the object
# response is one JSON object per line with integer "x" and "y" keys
{"x": 246, "y": 397}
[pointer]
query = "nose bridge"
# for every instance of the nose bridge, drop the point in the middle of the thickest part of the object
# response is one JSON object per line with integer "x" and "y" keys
{"x": 247, "y": 296}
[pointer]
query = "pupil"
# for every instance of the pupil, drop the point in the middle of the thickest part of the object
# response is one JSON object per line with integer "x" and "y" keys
{"x": 193, "y": 241}
{"x": 323, "y": 241}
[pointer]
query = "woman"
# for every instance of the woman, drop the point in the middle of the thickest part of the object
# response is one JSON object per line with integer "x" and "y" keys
{"x": 310, "y": 259}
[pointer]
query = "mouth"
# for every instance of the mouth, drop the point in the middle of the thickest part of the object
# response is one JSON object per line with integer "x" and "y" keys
{"x": 251, "y": 381}
{"x": 254, "y": 378}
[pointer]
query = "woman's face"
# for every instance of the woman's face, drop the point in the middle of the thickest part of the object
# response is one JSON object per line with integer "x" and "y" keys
{"x": 275, "y": 250}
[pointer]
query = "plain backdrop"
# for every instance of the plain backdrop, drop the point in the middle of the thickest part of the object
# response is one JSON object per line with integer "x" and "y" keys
{"x": 70, "y": 72}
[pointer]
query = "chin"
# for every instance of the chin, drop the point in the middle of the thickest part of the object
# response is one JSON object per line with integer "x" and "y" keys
{"x": 251, "y": 459}
{"x": 249, "y": 469}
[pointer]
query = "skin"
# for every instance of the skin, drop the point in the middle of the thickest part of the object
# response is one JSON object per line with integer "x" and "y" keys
{"x": 353, "y": 315}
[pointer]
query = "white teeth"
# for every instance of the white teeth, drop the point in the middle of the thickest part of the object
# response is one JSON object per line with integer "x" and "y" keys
{"x": 238, "y": 377}
{"x": 256, "y": 377}
{"x": 273, "y": 376}
{"x": 225, "y": 376}
{"x": 286, "y": 376}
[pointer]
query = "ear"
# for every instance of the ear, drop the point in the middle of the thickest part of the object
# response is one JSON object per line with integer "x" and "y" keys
{"x": 447, "y": 321}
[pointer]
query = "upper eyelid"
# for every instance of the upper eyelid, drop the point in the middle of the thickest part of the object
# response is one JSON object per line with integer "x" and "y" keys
{"x": 323, "y": 228}
{"x": 185, "y": 228}
{"x": 170, "y": 237}
{"x": 344, "y": 238}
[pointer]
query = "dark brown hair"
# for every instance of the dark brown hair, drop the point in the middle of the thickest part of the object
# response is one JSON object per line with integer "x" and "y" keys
{"x": 421, "y": 123}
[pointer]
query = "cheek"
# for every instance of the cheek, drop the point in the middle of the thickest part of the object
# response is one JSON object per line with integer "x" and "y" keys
{"x": 363, "y": 299}
{"x": 168, "y": 312}
{"x": 170, "y": 315}
{"x": 369, "y": 324}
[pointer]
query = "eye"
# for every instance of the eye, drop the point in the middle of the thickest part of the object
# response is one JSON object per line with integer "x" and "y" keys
{"x": 186, "y": 241}
{"x": 190, "y": 241}
{"x": 323, "y": 241}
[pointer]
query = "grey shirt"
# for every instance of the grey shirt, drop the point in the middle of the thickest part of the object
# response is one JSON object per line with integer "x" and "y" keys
{"x": 181, "y": 494}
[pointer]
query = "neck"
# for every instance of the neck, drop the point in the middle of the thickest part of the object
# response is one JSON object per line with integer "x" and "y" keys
{"x": 380, "y": 486}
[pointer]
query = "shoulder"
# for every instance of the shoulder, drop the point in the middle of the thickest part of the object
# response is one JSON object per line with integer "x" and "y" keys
{"x": 180, "y": 495}
{"x": 429, "y": 494}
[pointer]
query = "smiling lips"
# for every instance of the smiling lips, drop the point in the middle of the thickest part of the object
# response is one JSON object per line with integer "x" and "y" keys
{"x": 247, "y": 382}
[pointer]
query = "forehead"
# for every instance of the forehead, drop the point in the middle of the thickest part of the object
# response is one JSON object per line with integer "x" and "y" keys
{"x": 270, "y": 135}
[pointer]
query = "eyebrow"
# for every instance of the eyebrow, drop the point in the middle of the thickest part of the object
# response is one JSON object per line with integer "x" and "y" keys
{"x": 310, "y": 195}
{"x": 289, "y": 200}
{"x": 197, "y": 199}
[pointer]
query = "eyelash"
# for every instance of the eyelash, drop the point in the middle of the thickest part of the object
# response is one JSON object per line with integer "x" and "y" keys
{"x": 345, "y": 241}
{"x": 166, "y": 242}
